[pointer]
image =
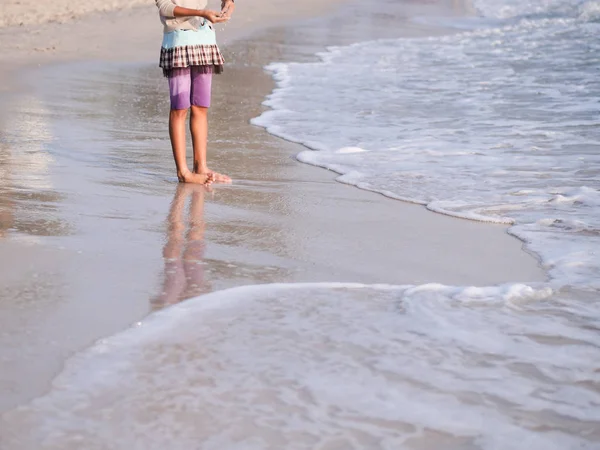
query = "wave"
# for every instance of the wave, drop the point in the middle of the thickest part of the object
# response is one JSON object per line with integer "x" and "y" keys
{"x": 306, "y": 365}
{"x": 498, "y": 124}
{"x": 537, "y": 9}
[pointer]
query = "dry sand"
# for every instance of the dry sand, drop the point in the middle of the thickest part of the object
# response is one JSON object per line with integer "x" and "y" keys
{"x": 282, "y": 222}
{"x": 32, "y": 12}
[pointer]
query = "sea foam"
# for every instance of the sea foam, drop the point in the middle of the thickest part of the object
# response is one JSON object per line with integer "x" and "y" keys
{"x": 331, "y": 366}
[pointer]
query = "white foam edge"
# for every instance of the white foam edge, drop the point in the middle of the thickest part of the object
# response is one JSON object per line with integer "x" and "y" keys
{"x": 280, "y": 73}
{"x": 354, "y": 178}
{"x": 163, "y": 320}
{"x": 96, "y": 365}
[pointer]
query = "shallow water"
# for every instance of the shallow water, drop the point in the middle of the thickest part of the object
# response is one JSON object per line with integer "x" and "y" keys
{"x": 498, "y": 124}
{"x": 335, "y": 366}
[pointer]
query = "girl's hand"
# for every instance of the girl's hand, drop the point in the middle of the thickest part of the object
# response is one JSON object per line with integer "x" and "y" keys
{"x": 227, "y": 7}
{"x": 214, "y": 17}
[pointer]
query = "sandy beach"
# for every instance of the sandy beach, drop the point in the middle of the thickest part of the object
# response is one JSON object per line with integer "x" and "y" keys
{"x": 92, "y": 222}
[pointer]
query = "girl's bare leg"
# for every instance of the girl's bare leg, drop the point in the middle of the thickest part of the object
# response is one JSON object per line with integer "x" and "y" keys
{"x": 177, "y": 134}
{"x": 199, "y": 130}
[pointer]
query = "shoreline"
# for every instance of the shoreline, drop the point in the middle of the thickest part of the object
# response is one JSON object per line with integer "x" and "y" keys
{"x": 425, "y": 236}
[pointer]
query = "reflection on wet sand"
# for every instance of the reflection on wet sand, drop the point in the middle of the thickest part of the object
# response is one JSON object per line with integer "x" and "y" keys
{"x": 28, "y": 199}
{"x": 7, "y": 217}
{"x": 184, "y": 248}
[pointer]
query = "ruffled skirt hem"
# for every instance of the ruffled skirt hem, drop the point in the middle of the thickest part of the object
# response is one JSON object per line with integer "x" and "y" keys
{"x": 208, "y": 57}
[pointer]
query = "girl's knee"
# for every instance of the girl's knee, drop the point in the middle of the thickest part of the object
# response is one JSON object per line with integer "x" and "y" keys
{"x": 179, "y": 113}
{"x": 199, "y": 109}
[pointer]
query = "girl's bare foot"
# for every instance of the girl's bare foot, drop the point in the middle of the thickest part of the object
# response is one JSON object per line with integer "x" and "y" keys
{"x": 196, "y": 178}
{"x": 219, "y": 177}
{"x": 216, "y": 176}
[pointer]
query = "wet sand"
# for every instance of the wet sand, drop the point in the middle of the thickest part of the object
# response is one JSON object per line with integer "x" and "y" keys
{"x": 95, "y": 233}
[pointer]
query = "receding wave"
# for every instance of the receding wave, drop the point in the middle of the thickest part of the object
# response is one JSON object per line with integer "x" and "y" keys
{"x": 496, "y": 124}
{"x": 332, "y": 366}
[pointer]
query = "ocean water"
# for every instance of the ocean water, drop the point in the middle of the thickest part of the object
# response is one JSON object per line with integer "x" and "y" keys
{"x": 333, "y": 366}
{"x": 497, "y": 121}
{"x": 500, "y": 123}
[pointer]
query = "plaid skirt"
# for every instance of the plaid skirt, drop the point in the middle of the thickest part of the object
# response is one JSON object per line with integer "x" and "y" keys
{"x": 185, "y": 48}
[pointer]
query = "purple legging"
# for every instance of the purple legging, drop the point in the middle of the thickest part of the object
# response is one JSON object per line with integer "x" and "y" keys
{"x": 189, "y": 86}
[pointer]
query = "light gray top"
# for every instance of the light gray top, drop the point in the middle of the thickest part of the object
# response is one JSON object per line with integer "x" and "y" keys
{"x": 172, "y": 23}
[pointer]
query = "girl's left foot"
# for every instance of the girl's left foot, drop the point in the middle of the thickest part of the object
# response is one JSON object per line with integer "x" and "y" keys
{"x": 219, "y": 177}
{"x": 216, "y": 176}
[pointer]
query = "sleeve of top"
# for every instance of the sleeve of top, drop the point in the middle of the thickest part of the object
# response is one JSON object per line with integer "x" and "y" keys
{"x": 166, "y": 8}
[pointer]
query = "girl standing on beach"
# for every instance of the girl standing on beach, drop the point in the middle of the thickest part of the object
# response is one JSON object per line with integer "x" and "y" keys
{"x": 189, "y": 57}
